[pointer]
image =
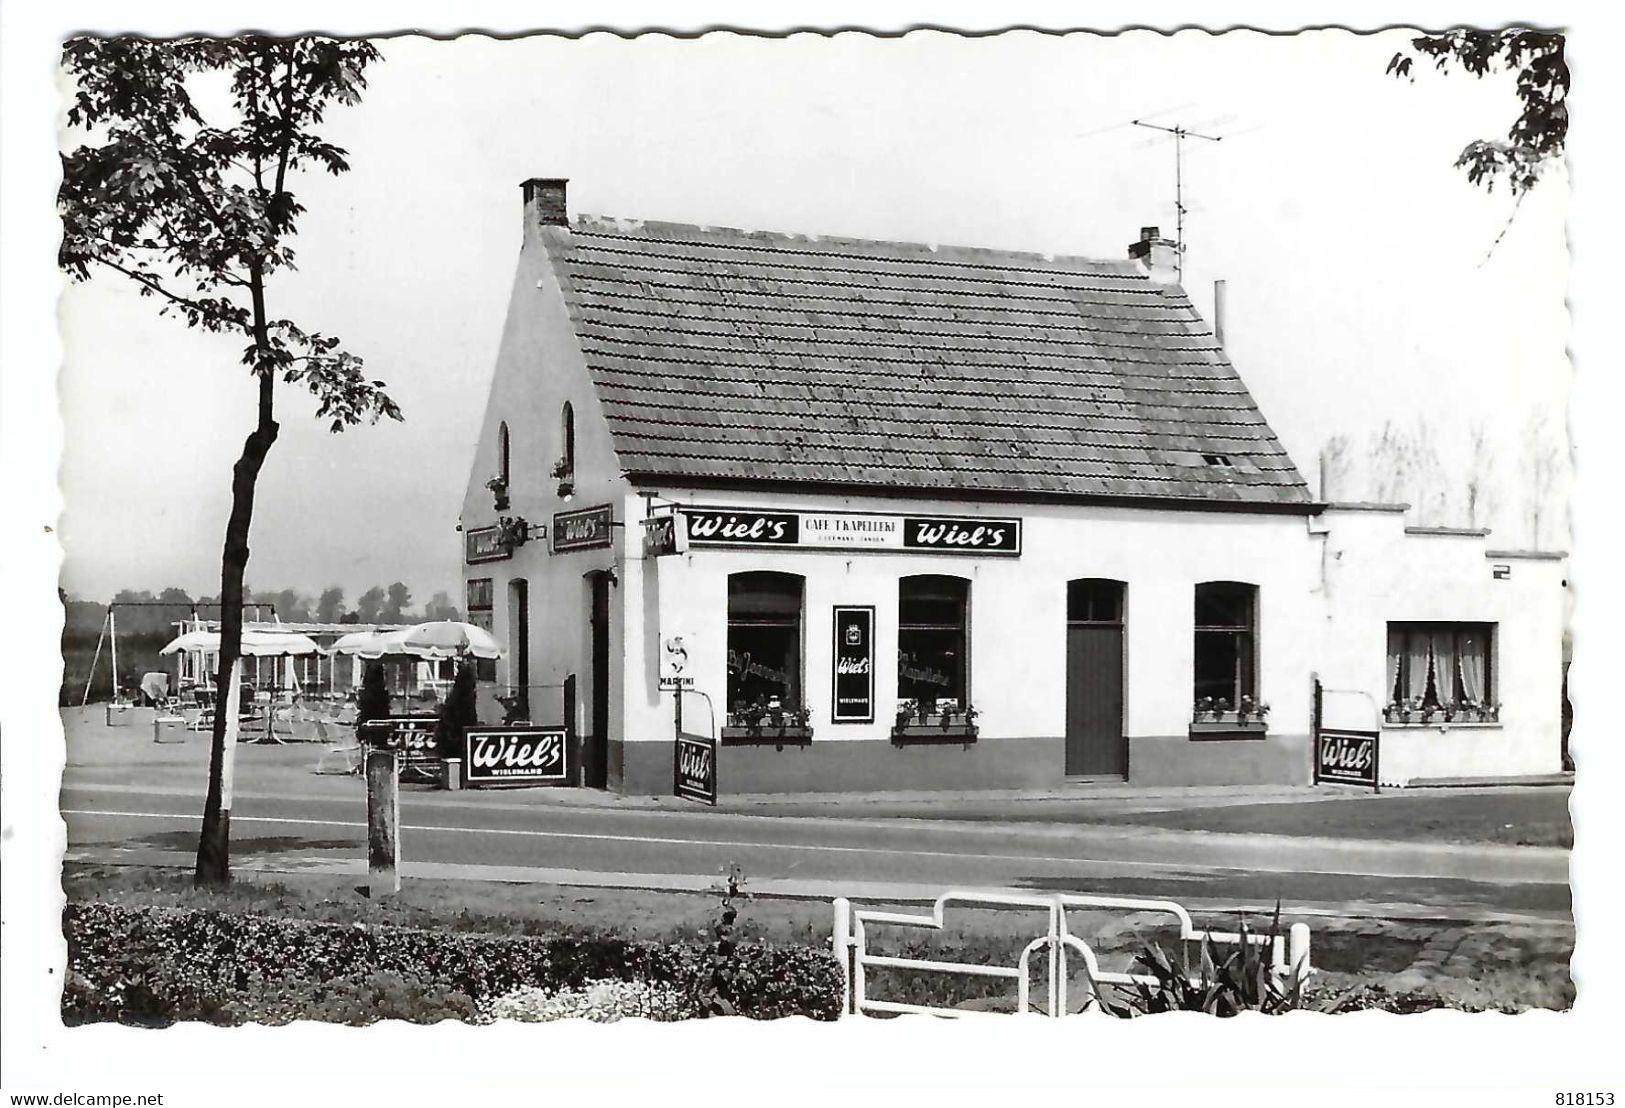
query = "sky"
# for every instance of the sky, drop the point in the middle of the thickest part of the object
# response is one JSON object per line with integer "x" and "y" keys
{"x": 1361, "y": 282}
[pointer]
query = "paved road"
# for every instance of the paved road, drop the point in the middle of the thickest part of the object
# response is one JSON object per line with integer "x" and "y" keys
{"x": 489, "y": 835}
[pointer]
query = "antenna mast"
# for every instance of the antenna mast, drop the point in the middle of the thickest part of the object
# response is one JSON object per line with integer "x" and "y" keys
{"x": 1180, "y": 135}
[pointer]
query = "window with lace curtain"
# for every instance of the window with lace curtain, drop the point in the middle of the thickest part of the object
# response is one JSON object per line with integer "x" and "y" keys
{"x": 1441, "y": 672}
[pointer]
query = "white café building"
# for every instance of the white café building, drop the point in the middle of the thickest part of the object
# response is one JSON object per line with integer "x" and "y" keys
{"x": 955, "y": 518}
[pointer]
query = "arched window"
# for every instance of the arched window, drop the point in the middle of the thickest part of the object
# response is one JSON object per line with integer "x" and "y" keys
{"x": 567, "y": 428}
{"x": 933, "y": 663}
{"x": 504, "y": 455}
{"x": 1226, "y": 643}
{"x": 764, "y": 640}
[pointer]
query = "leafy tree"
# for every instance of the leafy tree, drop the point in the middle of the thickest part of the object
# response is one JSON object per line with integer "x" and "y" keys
{"x": 330, "y": 606}
{"x": 293, "y": 606}
{"x": 373, "y": 700}
{"x": 1535, "y": 139}
{"x": 400, "y": 599}
{"x": 176, "y": 596}
{"x": 459, "y": 712}
{"x": 199, "y": 212}
{"x": 440, "y": 607}
{"x": 370, "y": 605}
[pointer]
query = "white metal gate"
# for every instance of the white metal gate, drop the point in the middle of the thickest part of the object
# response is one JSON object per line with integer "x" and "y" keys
{"x": 851, "y": 943}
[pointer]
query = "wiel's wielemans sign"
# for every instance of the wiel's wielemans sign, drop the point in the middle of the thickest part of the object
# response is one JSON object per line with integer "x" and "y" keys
{"x": 517, "y": 756}
{"x": 852, "y": 531}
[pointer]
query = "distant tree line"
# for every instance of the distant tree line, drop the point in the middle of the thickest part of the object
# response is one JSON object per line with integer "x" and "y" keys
{"x": 147, "y": 620}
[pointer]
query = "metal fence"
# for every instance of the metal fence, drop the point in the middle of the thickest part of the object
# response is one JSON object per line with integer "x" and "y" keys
{"x": 1288, "y": 957}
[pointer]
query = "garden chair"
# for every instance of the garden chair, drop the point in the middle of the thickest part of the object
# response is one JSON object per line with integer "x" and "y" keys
{"x": 339, "y": 757}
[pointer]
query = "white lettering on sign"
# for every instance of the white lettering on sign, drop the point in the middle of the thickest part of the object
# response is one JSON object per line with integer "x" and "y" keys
{"x": 952, "y": 534}
{"x": 533, "y": 755}
{"x": 711, "y": 525}
{"x": 1338, "y": 752}
{"x": 856, "y": 666}
{"x": 694, "y": 762}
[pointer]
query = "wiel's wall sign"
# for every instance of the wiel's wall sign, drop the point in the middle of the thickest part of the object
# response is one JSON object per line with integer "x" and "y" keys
{"x": 854, "y": 661}
{"x": 484, "y": 544}
{"x": 587, "y": 529}
{"x": 852, "y": 531}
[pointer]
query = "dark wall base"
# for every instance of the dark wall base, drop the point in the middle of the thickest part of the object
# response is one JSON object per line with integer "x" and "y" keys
{"x": 1244, "y": 760}
{"x": 851, "y": 766}
{"x": 644, "y": 768}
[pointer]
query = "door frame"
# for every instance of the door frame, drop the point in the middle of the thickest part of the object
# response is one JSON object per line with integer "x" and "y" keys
{"x": 600, "y": 652}
{"x": 1121, "y": 624}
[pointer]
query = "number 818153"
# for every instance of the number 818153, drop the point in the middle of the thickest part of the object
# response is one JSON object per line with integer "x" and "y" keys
{"x": 1584, "y": 1100}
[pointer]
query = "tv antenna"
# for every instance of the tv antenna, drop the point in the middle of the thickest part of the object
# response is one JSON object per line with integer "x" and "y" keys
{"x": 1180, "y": 135}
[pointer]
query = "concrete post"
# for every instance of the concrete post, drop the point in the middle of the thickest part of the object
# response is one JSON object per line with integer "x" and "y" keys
{"x": 843, "y": 949}
{"x": 452, "y": 779}
{"x": 1298, "y": 950}
{"x": 383, "y": 823}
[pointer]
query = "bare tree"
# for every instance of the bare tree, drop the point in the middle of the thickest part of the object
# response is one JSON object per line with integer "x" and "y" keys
{"x": 1337, "y": 469}
{"x": 1542, "y": 468}
{"x": 1406, "y": 469}
{"x": 1482, "y": 493}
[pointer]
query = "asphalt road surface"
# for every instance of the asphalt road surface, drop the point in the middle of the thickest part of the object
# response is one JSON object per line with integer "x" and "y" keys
{"x": 487, "y": 835}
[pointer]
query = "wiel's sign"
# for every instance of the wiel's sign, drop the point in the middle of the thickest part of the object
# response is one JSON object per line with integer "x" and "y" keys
{"x": 410, "y": 735}
{"x": 694, "y": 769}
{"x": 860, "y": 531}
{"x": 1345, "y": 757}
{"x": 517, "y": 756}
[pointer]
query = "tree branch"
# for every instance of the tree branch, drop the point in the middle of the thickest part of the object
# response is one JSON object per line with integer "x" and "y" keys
{"x": 152, "y": 283}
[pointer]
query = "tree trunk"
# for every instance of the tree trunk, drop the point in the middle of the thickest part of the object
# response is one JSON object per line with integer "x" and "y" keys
{"x": 214, "y": 843}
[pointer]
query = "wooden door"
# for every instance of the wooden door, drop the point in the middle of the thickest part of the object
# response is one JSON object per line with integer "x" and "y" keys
{"x": 1095, "y": 743}
{"x": 595, "y": 750}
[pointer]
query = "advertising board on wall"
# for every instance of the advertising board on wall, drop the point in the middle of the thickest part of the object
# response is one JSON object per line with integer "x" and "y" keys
{"x": 664, "y": 535}
{"x": 484, "y": 544}
{"x": 586, "y": 529}
{"x": 517, "y": 756}
{"x": 852, "y": 531}
{"x": 854, "y": 662}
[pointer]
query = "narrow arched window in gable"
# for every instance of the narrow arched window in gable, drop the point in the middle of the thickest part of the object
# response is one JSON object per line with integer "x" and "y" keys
{"x": 504, "y": 456}
{"x": 567, "y": 419}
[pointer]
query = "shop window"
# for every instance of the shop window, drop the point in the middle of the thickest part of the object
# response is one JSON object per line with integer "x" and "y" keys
{"x": 932, "y": 662}
{"x": 1226, "y": 669}
{"x": 764, "y": 642}
{"x": 479, "y": 607}
{"x": 1441, "y": 673}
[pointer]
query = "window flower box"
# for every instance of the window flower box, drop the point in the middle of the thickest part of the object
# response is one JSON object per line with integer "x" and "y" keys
{"x": 499, "y": 493}
{"x": 922, "y": 723}
{"x": 1215, "y": 719}
{"x": 1416, "y": 713}
{"x": 775, "y": 726}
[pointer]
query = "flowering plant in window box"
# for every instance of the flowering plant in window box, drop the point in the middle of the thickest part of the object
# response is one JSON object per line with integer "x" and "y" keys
{"x": 920, "y": 721}
{"x": 1213, "y": 718}
{"x": 769, "y": 722}
{"x": 499, "y": 493}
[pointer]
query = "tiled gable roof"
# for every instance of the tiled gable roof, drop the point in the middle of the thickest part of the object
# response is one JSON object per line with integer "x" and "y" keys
{"x": 722, "y": 355}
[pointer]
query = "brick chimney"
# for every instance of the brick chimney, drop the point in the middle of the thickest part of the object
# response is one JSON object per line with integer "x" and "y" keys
{"x": 1158, "y": 256}
{"x": 544, "y": 202}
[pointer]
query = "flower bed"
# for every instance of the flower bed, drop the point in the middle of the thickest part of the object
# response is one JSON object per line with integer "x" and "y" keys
{"x": 156, "y": 966}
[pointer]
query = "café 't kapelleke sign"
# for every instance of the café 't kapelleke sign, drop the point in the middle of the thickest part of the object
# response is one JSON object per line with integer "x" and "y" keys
{"x": 852, "y": 531}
